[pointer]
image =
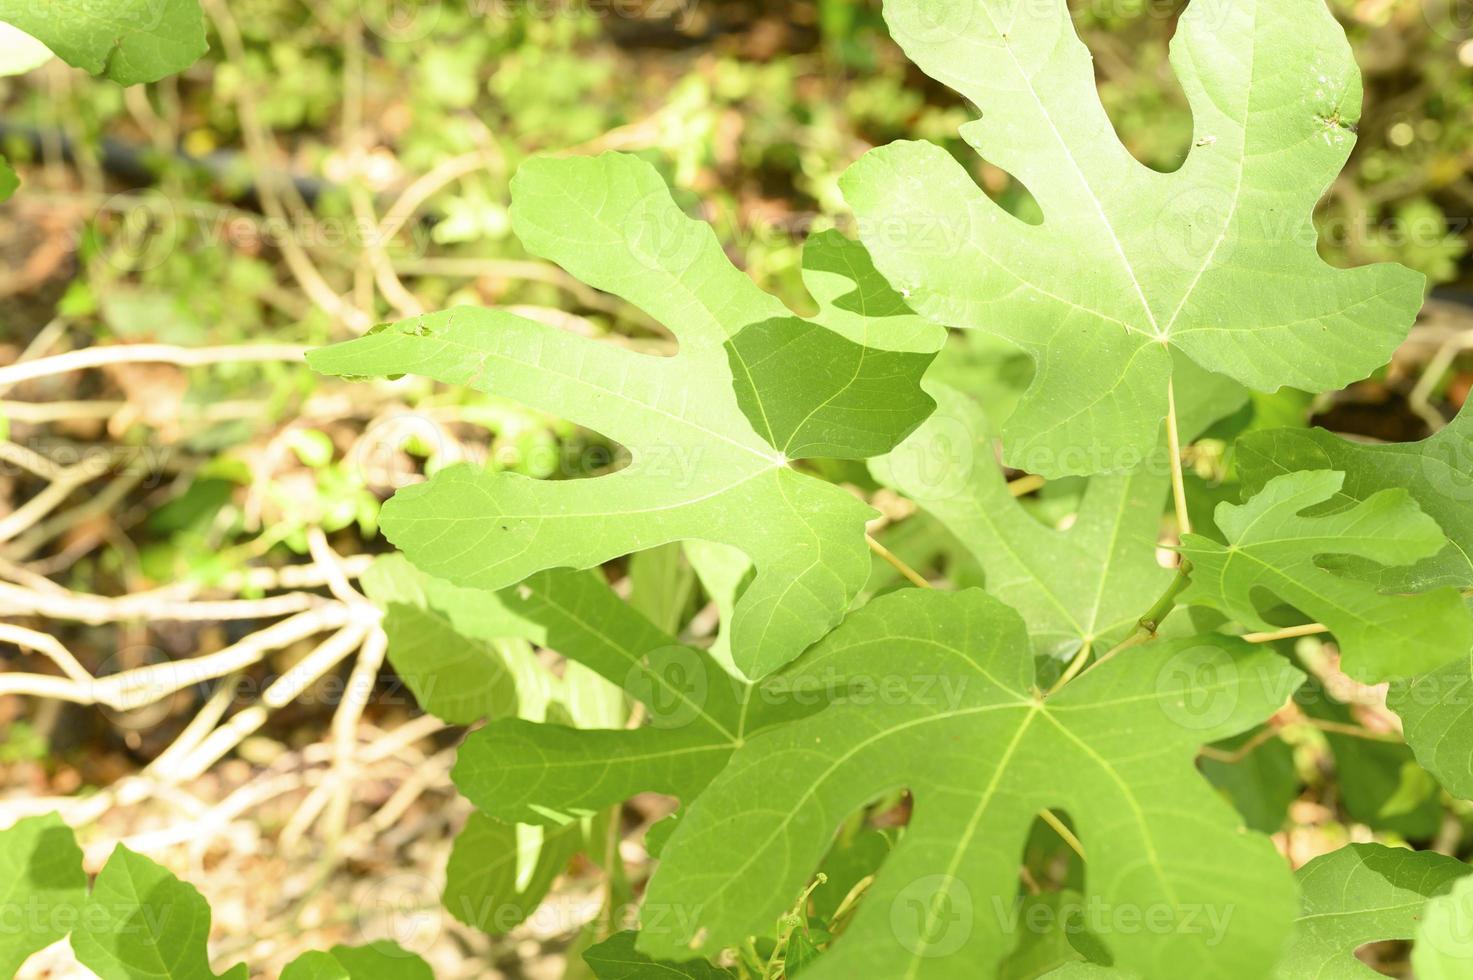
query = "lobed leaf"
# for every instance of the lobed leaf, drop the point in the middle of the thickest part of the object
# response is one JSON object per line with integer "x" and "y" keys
{"x": 1437, "y": 473}
{"x": 1216, "y": 261}
{"x": 516, "y": 770}
{"x": 1436, "y": 707}
{"x": 128, "y": 41}
{"x": 1114, "y": 750}
{"x": 1273, "y": 546}
{"x": 711, "y": 430}
{"x": 1359, "y": 894}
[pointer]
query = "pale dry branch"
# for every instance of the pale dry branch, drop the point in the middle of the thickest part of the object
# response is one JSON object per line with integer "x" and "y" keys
{"x": 284, "y": 690}
{"x": 132, "y": 689}
{"x": 95, "y": 610}
{"x": 92, "y": 357}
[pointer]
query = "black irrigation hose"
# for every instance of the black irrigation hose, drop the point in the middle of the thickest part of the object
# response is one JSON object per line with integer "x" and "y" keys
{"x": 137, "y": 165}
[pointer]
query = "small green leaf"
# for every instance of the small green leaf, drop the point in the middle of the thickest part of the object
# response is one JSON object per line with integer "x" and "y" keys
{"x": 1115, "y": 750}
{"x": 1437, "y": 473}
{"x": 800, "y": 952}
{"x": 383, "y": 960}
{"x": 128, "y": 41}
{"x": 461, "y": 651}
{"x": 499, "y": 873}
{"x": 1435, "y": 708}
{"x": 142, "y": 922}
{"x": 1216, "y": 260}
{"x": 1261, "y": 784}
{"x": 1273, "y": 547}
{"x": 42, "y": 887}
{"x": 1361, "y": 893}
{"x": 616, "y": 959}
{"x": 8, "y": 180}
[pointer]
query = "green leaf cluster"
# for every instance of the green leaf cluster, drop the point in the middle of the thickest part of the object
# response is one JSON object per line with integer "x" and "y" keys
{"x": 137, "y": 921}
{"x": 1086, "y": 689}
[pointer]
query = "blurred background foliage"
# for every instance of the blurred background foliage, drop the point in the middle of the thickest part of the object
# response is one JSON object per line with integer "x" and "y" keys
{"x": 336, "y": 164}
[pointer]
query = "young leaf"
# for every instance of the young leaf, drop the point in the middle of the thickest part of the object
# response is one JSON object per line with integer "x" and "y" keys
{"x": 42, "y": 886}
{"x": 499, "y": 873}
{"x": 1435, "y": 708}
{"x": 616, "y": 959}
{"x": 128, "y": 41}
{"x": 1114, "y": 749}
{"x": 1359, "y": 894}
{"x": 140, "y": 921}
{"x": 1216, "y": 260}
{"x": 711, "y": 430}
{"x": 461, "y": 651}
{"x": 383, "y": 960}
{"x": 1272, "y": 546}
{"x": 1437, "y": 473}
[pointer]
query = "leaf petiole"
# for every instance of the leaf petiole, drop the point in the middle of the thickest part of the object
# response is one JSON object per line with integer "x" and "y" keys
{"x": 911, "y": 575}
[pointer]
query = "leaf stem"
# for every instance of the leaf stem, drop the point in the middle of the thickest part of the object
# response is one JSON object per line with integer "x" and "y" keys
{"x": 1065, "y": 834}
{"x": 1173, "y": 446}
{"x": 1156, "y": 615}
{"x": 1288, "y": 633}
{"x": 1148, "y": 625}
{"x": 1272, "y": 731}
{"x": 1353, "y": 731}
{"x": 915, "y": 577}
{"x": 1075, "y": 666}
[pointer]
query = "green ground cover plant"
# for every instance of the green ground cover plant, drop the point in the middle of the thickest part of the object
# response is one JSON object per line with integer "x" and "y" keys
{"x": 1076, "y": 720}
